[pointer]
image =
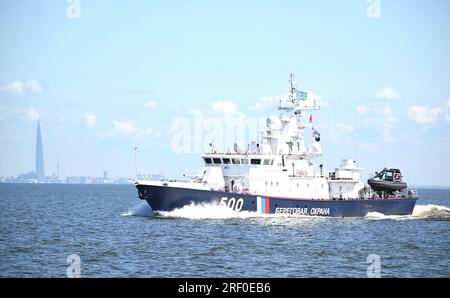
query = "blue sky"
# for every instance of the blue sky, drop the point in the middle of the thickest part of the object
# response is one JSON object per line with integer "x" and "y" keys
{"x": 118, "y": 76}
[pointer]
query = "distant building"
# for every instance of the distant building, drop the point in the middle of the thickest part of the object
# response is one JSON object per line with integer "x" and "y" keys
{"x": 105, "y": 175}
{"x": 40, "y": 172}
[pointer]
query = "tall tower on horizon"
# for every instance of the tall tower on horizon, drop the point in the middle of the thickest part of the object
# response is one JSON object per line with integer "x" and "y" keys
{"x": 40, "y": 173}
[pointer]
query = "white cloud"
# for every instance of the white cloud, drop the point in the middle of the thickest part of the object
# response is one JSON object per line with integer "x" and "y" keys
{"x": 384, "y": 114}
{"x": 337, "y": 130}
{"x": 388, "y": 93}
{"x": 362, "y": 110}
{"x": 342, "y": 127}
{"x": 34, "y": 86}
{"x": 424, "y": 114}
{"x": 384, "y": 117}
{"x": 141, "y": 133}
{"x": 157, "y": 134}
{"x": 16, "y": 87}
{"x": 226, "y": 107}
{"x": 389, "y": 115}
{"x": 33, "y": 114}
{"x": 387, "y": 110}
{"x": 90, "y": 119}
{"x": 125, "y": 127}
{"x": 266, "y": 102}
{"x": 151, "y": 104}
{"x": 21, "y": 87}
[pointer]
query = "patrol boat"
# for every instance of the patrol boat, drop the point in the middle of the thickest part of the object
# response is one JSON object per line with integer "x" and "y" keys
{"x": 279, "y": 175}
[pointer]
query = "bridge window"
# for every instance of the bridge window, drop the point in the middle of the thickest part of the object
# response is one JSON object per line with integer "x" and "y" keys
{"x": 245, "y": 161}
{"x": 266, "y": 162}
{"x": 236, "y": 161}
{"x": 226, "y": 161}
{"x": 207, "y": 160}
{"x": 256, "y": 161}
{"x": 216, "y": 161}
{"x": 271, "y": 162}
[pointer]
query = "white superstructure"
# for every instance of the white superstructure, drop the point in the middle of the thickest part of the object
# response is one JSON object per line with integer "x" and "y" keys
{"x": 281, "y": 164}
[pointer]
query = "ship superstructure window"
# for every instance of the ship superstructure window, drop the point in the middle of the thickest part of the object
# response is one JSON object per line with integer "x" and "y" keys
{"x": 271, "y": 162}
{"x": 207, "y": 160}
{"x": 236, "y": 161}
{"x": 226, "y": 161}
{"x": 255, "y": 161}
{"x": 266, "y": 162}
{"x": 217, "y": 161}
{"x": 245, "y": 161}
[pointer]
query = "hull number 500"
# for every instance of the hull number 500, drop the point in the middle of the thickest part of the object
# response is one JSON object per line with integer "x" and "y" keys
{"x": 232, "y": 203}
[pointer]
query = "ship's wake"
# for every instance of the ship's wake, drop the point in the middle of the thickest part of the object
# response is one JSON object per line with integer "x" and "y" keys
{"x": 216, "y": 211}
{"x": 430, "y": 212}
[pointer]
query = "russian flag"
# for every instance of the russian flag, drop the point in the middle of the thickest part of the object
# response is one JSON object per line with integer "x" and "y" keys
{"x": 263, "y": 205}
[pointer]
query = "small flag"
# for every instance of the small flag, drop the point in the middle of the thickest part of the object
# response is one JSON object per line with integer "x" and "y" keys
{"x": 315, "y": 134}
{"x": 302, "y": 95}
{"x": 310, "y": 119}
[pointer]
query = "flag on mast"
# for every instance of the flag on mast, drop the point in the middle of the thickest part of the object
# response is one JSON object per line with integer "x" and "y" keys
{"x": 310, "y": 119}
{"x": 315, "y": 134}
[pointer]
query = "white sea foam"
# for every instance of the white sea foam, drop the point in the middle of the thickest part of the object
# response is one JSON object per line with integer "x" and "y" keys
{"x": 429, "y": 211}
{"x": 433, "y": 211}
{"x": 143, "y": 210}
{"x": 216, "y": 211}
{"x": 207, "y": 211}
{"x": 380, "y": 216}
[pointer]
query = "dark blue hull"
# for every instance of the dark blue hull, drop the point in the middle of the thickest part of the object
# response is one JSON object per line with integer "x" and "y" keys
{"x": 164, "y": 198}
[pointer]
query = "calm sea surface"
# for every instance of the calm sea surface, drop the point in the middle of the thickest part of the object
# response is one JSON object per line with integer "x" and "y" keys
{"x": 116, "y": 235}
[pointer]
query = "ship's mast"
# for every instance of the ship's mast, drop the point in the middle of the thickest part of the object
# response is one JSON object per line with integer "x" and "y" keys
{"x": 298, "y": 99}
{"x": 293, "y": 89}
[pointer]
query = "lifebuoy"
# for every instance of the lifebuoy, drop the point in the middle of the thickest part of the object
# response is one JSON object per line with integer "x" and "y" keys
{"x": 397, "y": 176}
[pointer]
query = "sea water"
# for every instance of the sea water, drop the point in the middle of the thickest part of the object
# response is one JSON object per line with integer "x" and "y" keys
{"x": 114, "y": 234}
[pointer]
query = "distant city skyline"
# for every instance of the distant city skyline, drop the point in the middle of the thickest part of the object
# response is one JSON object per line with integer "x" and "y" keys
{"x": 38, "y": 175}
{"x": 101, "y": 87}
